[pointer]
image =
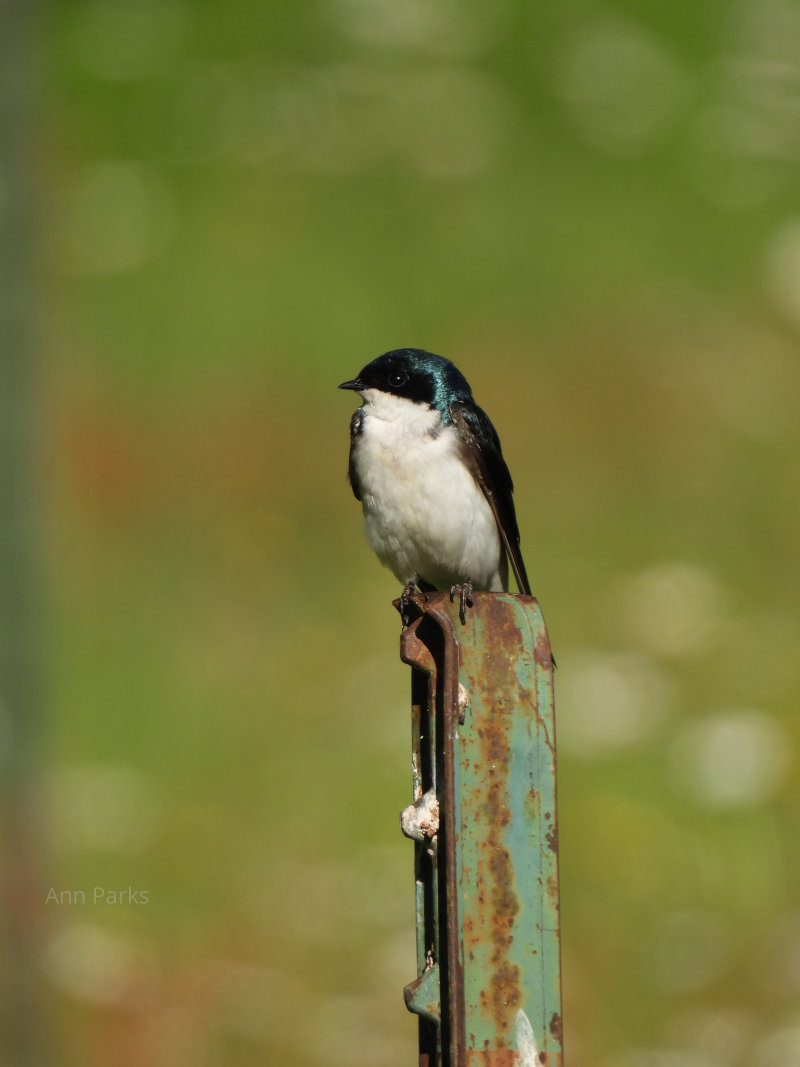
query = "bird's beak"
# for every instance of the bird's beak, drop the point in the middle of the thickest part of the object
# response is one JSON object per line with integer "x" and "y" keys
{"x": 355, "y": 384}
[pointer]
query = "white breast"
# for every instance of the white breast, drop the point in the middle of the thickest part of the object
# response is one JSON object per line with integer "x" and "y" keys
{"x": 424, "y": 514}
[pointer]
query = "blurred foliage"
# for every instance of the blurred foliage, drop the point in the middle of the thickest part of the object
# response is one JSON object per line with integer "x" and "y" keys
{"x": 594, "y": 211}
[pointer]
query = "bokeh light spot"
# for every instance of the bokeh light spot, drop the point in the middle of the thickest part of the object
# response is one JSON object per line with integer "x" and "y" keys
{"x": 751, "y": 379}
{"x": 610, "y": 701}
{"x": 101, "y": 807}
{"x": 781, "y": 1046}
{"x": 731, "y": 759}
{"x": 671, "y": 610}
{"x": 661, "y": 1057}
{"x": 448, "y": 27}
{"x": 98, "y": 965}
{"x": 621, "y": 86}
{"x": 782, "y": 269}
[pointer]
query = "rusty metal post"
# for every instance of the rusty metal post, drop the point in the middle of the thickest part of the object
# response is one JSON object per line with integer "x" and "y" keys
{"x": 488, "y": 987}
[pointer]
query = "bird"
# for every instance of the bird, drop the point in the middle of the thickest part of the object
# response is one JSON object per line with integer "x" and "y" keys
{"x": 427, "y": 466}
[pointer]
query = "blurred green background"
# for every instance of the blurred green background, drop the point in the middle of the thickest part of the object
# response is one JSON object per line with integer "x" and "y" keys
{"x": 595, "y": 211}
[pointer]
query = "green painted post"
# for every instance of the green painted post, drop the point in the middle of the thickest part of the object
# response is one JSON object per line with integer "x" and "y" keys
{"x": 488, "y": 986}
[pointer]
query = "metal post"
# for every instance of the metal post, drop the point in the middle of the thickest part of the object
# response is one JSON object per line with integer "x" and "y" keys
{"x": 488, "y": 988}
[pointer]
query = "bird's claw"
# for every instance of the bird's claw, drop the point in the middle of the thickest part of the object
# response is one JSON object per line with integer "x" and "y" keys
{"x": 465, "y": 598}
{"x": 405, "y": 599}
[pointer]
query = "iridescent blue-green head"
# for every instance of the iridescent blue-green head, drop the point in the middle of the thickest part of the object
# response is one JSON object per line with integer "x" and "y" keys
{"x": 416, "y": 375}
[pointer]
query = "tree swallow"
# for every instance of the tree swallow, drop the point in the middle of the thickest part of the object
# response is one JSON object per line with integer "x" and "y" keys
{"x": 427, "y": 466}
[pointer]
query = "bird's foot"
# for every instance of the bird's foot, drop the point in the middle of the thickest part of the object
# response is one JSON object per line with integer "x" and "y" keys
{"x": 465, "y": 597}
{"x": 405, "y": 599}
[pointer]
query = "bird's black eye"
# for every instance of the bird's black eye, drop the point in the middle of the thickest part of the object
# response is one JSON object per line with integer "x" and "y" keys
{"x": 397, "y": 379}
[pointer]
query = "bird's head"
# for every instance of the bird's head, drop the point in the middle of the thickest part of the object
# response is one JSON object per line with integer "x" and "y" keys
{"x": 415, "y": 375}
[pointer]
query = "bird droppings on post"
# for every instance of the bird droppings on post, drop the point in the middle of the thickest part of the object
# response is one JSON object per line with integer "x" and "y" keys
{"x": 528, "y": 1054}
{"x": 463, "y": 703}
{"x": 420, "y": 820}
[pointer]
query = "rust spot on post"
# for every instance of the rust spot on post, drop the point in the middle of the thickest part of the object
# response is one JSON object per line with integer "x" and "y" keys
{"x": 556, "y": 1028}
{"x": 492, "y": 1058}
{"x": 493, "y": 814}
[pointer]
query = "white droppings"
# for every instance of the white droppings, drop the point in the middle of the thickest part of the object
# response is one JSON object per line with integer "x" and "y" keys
{"x": 463, "y": 701}
{"x": 420, "y": 820}
{"x": 527, "y": 1049}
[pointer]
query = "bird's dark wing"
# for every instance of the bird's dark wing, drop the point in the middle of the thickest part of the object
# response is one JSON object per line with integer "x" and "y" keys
{"x": 355, "y": 430}
{"x": 484, "y": 458}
